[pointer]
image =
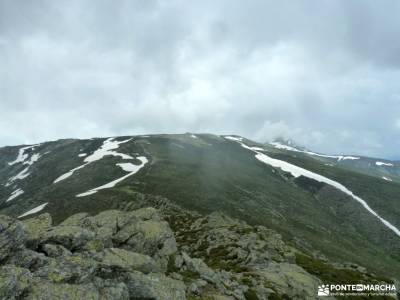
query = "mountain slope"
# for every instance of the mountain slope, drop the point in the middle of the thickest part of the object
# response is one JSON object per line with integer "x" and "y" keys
{"x": 141, "y": 252}
{"x": 209, "y": 173}
{"x": 384, "y": 169}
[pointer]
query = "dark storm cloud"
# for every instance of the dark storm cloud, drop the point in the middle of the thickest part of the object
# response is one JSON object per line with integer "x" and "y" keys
{"x": 324, "y": 73}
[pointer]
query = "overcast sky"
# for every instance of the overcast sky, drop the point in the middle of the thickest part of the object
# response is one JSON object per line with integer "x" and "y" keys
{"x": 324, "y": 73}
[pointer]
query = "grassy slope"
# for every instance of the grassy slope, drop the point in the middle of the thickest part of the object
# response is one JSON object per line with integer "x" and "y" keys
{"x": 228, "y": 178}
{"x": 210, "y": 174}
{"x": 381, "y": 195}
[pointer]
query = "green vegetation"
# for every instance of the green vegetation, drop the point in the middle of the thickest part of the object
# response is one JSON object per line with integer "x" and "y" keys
{"x": 251, "y": 295}
{"x": 213, "y": 174}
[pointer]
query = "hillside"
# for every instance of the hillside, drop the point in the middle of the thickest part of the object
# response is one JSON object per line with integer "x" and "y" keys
{"x": 320, "y": 214}
{"x": 381, "y": 168}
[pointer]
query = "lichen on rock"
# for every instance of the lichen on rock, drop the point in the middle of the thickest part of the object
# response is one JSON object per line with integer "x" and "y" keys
{"x": 148, "y": 253}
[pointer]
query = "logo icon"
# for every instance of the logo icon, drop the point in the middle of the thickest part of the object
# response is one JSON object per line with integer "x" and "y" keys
{"x": 323, "y": 290}
{"x": 359, "y": 288}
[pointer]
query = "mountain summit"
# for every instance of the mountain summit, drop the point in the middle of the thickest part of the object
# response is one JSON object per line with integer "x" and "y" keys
{"x": 332, "y": 211}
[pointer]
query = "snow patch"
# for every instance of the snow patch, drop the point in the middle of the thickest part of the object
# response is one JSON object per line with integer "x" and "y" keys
{"x": 15, "y": 194}
{"x": 347, "y": 157}
{"x": 22, "y": 156}
{"x": 82, "y": 154}
{"x": 68, "y": 174}
{"x": 386, "y": 178}
{"x": 127, "y": 167}
{"x": 104, "y": 150}
{"x": 381, "y": 163}
{"x": 193, "y": 136}
{"x": 34, "y": 158}
{"x": 25, "y": 160}
{"x": 289, "y": 148}
{"x": 34, "y": 210}
{"x": 298, "y": 171}
{"x": 284, "y": 147}
{"x": 234, "y": 138}
{"x": 21, "y": 175}
{"x": 257, "y": 149}
{"x": 87, "y": 193}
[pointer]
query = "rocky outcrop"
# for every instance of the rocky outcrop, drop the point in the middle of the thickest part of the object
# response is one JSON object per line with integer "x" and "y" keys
{"x": 13, "y": 281}
{"x": 148, "y": 253}
{"x": 123, "y": 260}
{"x": 12, "y": 237}
{"x": 35, "y": 227}
{"x": 113, "y": 255}
{"x": 238, "y": 260}
{"x": 154, "y": 286}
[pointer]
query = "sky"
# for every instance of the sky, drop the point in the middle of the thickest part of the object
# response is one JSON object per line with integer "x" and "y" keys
{"x": 324, "y": 73}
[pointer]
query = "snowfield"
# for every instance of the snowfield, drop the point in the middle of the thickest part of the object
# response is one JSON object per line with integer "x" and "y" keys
{"x": 69, "y": 173}
{"x": 289, "y": 148}
{"x": 15, "y": 194}
{"x": 347, "y": 157}
{"x": 34, "y": 210}
{"x": 298, "y": 171}
{"x": 128, "y": 167}
{"x": 106, "y": 149}
{"x": 21, "y": 175}
{"x": 23, "y": 158}
{"x": 257, "y": 149}
{"x": 380, "y": 163}
{"x": 233, "y": 138}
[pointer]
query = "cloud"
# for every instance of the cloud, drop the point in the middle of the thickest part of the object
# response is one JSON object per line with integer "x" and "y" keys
{"x": 271, "y": 131}
{"x": 322, "y": 73}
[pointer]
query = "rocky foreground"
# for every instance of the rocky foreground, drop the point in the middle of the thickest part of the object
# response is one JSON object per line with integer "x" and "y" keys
{"x": 147, "y": 253}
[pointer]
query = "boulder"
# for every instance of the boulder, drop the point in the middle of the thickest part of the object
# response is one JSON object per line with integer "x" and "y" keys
{"x": 195, "y": 287}
{"x": 52, "y": 250}
{"x": 45, "y": 290}
{"x": 145, "y": 213}
{"x": 289, "y": 279}
{"x": 12, "y": 236}
{"x": 75, "y": 220}
{"x": 104, "y": 226}
{"x": 76, "y": 268}
{"x": 116, "y": 259}
{"x": 154, "y": 286}
{"x": 106, "y": 223}
{"x": 198, "y": 266}
{"x": 216, "y": 296}
{"x": 148, "y": 237}
{"x": 14, "y": 281}
{"x": 71, "y": 237}
{"x": 29, "y": 259}
{"x": 34, "y": 227}
{"x": 112, "y": 289}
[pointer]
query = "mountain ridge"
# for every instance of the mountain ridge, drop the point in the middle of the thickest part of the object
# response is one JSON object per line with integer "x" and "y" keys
{"x": 118, "y": 254}
{"x": 206, "y": 173}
